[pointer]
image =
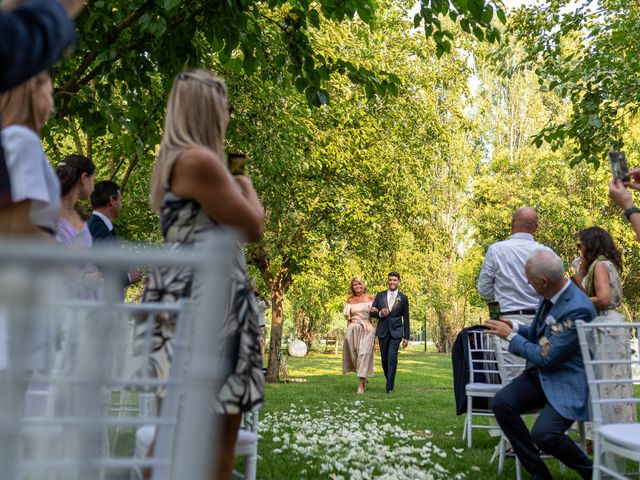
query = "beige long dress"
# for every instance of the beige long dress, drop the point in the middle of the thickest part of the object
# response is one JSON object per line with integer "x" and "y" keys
{"x": 612, "y": 344}
{"x": 357, "y": 351}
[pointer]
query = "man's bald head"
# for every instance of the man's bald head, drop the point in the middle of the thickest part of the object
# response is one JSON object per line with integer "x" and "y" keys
{"x": 524, "y": 220}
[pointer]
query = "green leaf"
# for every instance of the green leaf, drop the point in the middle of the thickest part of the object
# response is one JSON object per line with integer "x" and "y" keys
{"x": 365, "y": 13}
{"x": 314, "y": 18}
{"x": 171, "y": 4}
{"x": 487, "y": 14}
{"x": 279, "y": 60}
{"x": 300, "y": 84}
{"x": 249, "y": 63}
{"x": 479, "y": 34}
{"x": 417, "y": 20}
{"x": 501, "y": 15}
{"x": 464, "y": 24}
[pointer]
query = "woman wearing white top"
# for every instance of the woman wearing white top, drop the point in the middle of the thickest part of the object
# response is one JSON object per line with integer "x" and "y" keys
{"x": 36, "y": 189}
{"x": 35, "y": 195}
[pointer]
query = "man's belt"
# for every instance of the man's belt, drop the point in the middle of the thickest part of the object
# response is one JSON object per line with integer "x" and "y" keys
{"x": 530, "y": 311}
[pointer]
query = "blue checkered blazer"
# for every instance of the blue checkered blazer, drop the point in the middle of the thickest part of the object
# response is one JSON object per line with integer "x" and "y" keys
{"x": 551, "y": 343}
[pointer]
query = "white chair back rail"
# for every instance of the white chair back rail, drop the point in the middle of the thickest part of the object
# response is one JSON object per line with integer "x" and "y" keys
{"x": 77, "y": 352}
{"x": 484, "y": 380}
{"x": 613, "y": 402}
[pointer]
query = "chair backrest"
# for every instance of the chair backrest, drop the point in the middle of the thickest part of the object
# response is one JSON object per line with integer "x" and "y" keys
{"x": 606, "y": 349}
{"x": 483, "y": 365}
{"x": 79, "y": 349}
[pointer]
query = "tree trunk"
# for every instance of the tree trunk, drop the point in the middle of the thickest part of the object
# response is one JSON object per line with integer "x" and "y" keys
{"x": 277, "y": 318}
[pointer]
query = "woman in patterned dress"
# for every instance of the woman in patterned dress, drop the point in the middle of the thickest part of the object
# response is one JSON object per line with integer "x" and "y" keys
{"x": 599, "y": 275}
{"x": 357, "y": 351}
{"x": 194, "y": 192}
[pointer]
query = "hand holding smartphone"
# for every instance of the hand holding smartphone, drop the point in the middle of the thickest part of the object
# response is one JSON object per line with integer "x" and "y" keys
{"x": 494, "y": 310}
{"x": 619, "y": 168}
{"x": 236, "y": 162}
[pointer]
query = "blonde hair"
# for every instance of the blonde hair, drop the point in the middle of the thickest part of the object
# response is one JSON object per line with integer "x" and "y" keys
{"x": 18, "y": 105}
{"x": 197, "y": 115}
{"x": 357, "y": 279}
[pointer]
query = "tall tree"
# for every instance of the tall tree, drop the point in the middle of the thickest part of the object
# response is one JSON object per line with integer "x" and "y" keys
{"x": 588, "y": 52}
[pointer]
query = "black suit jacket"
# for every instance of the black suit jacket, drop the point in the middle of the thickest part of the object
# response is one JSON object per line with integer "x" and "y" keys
{"x": 102, "y": 235}
{"x": 32, "y": 37}
{"x": 99, "y": 231}
{"x": 396, "y": 323}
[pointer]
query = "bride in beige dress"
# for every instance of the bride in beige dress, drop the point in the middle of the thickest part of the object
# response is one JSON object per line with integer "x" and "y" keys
{"x": 357, "y": 351}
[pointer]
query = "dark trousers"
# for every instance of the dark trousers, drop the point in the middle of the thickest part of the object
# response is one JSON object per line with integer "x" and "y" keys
{"x": 389, "y": 347}
{"x": 523, "y": 395}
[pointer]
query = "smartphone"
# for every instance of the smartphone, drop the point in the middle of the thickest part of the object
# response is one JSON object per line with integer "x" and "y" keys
{"x": 236, "y": 162}
{"x": 494, "y": 310}
{"x": 619, "y": 167}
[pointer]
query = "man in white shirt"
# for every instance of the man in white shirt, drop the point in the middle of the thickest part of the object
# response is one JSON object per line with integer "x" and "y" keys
{"x": 502, "y": 276}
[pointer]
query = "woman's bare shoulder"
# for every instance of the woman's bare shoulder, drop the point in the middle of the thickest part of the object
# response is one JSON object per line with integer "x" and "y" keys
{"x": 199, "y": 155}
{"x": 199, "y": 164}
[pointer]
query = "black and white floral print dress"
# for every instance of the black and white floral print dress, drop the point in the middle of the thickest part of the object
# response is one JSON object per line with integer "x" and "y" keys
{"x": 184, "y": 223}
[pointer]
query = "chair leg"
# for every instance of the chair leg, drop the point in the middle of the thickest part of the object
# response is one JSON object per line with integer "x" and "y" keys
{"x": 251, "y": 467}
{"x": 518, "y": 469}
{"x": 503, "y": 450}
{"x": 597, "y": 457}
{"x": 469, "y": 421}
{"x": 464, "y": 430}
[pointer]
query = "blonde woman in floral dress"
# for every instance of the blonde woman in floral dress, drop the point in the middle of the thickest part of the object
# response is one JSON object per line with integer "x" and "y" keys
{"x": 357, "y": 351}
{"x": 599, "y": 271}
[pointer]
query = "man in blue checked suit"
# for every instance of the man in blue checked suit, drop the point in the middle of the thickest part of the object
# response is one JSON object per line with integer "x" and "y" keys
{"x": 554, "y": 380}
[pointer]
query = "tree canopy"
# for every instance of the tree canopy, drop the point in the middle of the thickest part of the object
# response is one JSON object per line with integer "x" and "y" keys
{"x": 588, "y": 52}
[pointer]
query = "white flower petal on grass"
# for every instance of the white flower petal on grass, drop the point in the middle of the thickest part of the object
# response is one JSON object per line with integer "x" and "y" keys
{"x": 354, "y": 443}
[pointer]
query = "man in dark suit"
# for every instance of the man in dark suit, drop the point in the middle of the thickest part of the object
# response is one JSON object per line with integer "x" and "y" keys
{"x": 33, "y": 35}
{"x": 554, "y": 380}
{"x": 106, "y": 202}
{"x": 391, "y": 308}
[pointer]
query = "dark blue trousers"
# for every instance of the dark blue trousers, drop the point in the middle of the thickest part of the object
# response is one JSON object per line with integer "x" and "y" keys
{"x": 548, "y": 434}
{"x": 389, "y": 347}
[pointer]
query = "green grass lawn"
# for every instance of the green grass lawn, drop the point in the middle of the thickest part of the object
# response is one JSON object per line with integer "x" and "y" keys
{"x": 323, "y": 429}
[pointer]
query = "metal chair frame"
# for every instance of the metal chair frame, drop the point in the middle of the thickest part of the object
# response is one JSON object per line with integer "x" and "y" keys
{"x": 608, "y": 439}
{"x": 482, "y": 361}
{"x": 183, "y": 445}
{"x": 247, "y": 445}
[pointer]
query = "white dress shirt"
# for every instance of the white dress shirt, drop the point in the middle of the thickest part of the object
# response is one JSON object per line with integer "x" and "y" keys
{"x": 502, "y": 276}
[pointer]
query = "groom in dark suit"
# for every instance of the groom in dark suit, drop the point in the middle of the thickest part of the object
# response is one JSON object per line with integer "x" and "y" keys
{"x": 391, "y": 308}
{"x": 106, "y": 201}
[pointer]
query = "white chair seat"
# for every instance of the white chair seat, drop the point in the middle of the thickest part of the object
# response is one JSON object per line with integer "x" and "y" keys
{"x": 247, "y": 442}
{"x": 483, "y": 387}
{"x": 626, "y": 435}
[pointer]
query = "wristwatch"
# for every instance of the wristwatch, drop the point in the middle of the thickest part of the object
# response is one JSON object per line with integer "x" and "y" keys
{"x": 630, "y": 211}
{"x": 511, "y": 336}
